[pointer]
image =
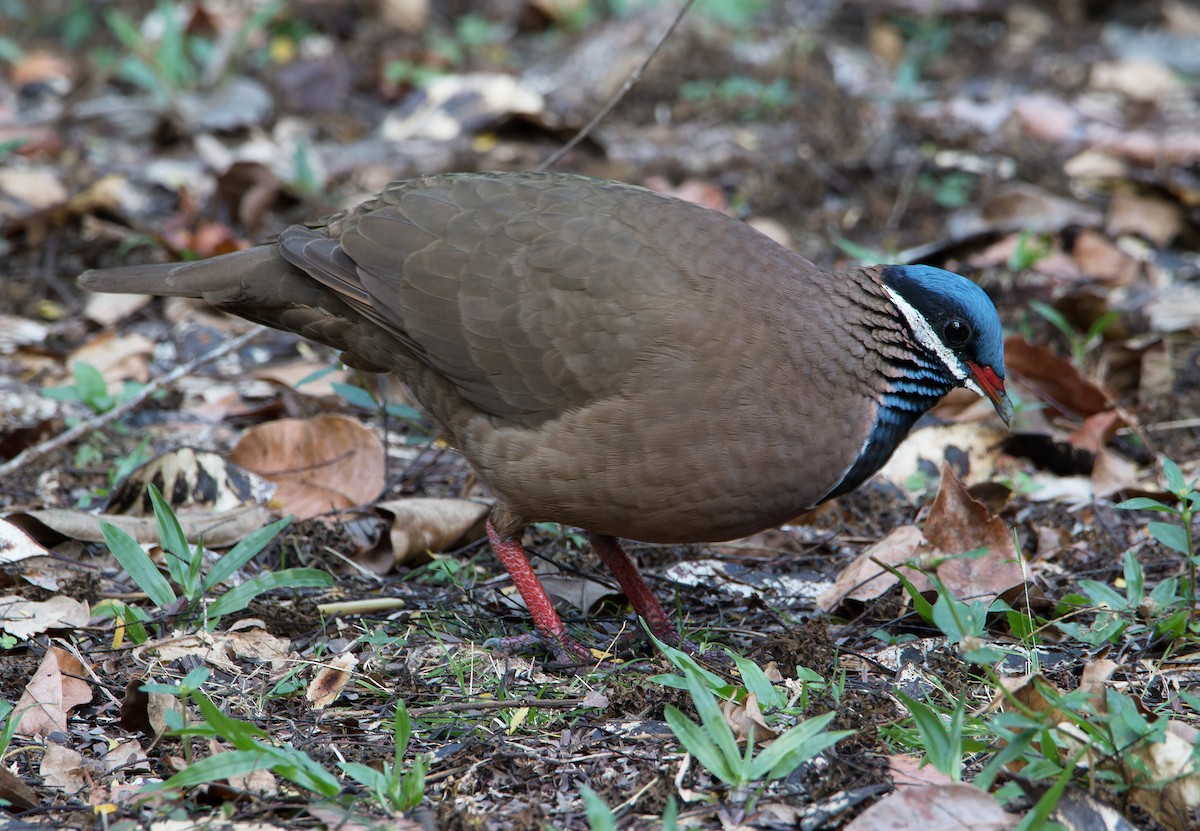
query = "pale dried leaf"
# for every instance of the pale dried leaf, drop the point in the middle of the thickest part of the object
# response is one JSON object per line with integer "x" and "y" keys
{"x": 16, "y": 545}
{"x": 954, "y": 807}
{"x": 864, "y": 579}
{"x": 190, "y": 479}
{"x": 330, "y": 680}
{"x": 406, "y": 15}
{"x": 109, "y": 309}
{"x": 1099, "y": 259}
{"x": 220, "y": 530}
{"x": 747, "y": 716}
{"x": 422, "y": 525}
{"x": 908, "y": 772}
{"x": 23, "y": 618}
{"x": 16, "y": 332}
{"x": 1139, "y": 79}
{"x": 1167, "y": 778}
{"x": 56, "y": 688}
{"x": 260, "y": 646}
{"x": 117, "y": 357}
{"x": 1154, "y": 218}
{"x": 1112, "y": 475}
{"x": 62, "y": 769}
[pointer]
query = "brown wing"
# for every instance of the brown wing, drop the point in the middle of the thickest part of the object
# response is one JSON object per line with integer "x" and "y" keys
{"x": 534, "y": 294}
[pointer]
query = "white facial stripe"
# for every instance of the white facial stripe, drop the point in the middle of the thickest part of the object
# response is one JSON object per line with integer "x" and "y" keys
{"x": 931, "y": 341}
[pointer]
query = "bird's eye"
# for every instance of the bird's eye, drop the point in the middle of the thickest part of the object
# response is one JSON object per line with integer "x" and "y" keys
{"x": 956, "y": 333}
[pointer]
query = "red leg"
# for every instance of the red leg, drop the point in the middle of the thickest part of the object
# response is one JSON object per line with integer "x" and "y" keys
{"x": 512, "y": 556}
{"x": 635, "y": 588}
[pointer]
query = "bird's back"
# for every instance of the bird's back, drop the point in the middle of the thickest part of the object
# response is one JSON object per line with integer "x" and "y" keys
{"x": 607, "y": 357}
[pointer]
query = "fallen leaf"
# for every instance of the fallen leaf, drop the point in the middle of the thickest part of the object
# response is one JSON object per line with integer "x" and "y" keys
{"x": 321, "y": 464}
{"x": 62, "y": 769}
{"x": 1165, "y": 779}
{"x": 220, "y": 530}
{"x": 1139, "y": 79}
{"x": 1156, "y": 219}
{"x": 189, "y": 479}
{"x": 1099, "y": 259}
{"x": 117, "y": 357}
{"x": 330, "y": 680}
{"x": 909, "y": 771}
{"x": 58, "y": 686}
{"x": 422, "y": 525}
{"x": 16, "y": 545}
{"x": 864, "y": 579}
{"x": 23, "y": 618}
{"x": 953, "y": 807}
{"x": 1056, "y": 381}
{"x": 957, "y": 524}
{"x": 746, "y": 717}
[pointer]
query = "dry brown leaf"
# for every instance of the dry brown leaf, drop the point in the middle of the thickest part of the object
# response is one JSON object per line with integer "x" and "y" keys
{"x": 428, "y": 524}
{"x": 957, "y": 524}
{"x": 58, "y": 686}
{"x": 330, "y": 680}
{"x": 747, "y": 716}
{"x": 1027, "y": 690}
{"x": 117, "y": 357}
{"x": 1170, "y": 146}
{"x": 321, "y": 464}
{"x": 16, "y": 545}
{"x": 220, "y": 530}
{"x": 62, "y": 769}
{"x": 1112, "y": 475}
{"x": 953, "y": 807}
{"x": 23, "y": 618}
{"x": 208, "y": 647}
{"x": 1096, "y": 431}
{"x": 1166, "y": 777}
{"x": 701, "y": 192}
{"x": 289, "y": 375}
{"x": 1099, "y": 259}
{"x": 261, "y": 647}
{"x": 908, "y": 772}
{"x": 1095, "y": 673}
{"x": 1056, "y": 381}
{"x": 864, "y": 579}
{"x": 1156, "y": 219}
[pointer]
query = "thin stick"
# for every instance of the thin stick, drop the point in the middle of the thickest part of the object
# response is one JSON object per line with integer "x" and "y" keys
{"x": 104, "y": 419}
{"x": 633, "y": 78}
{"x": 492, "y": 704}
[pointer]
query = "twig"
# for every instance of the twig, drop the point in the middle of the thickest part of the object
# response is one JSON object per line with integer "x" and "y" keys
{"x": 492, "y": 704}
{"x": 104, "y": 419}
{"x": 633, "y": 78}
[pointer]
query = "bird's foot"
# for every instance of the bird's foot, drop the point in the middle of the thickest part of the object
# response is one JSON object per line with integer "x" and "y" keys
{"x": 565, "y": 649}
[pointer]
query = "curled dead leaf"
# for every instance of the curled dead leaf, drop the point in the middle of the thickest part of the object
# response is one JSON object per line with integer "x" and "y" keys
{"x": 423, "y": 525}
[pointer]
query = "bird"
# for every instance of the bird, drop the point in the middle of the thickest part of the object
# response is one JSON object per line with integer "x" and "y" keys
{"x": 611, "y": 358}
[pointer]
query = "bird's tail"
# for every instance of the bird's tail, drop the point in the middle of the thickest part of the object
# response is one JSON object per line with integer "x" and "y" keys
{"x": 215, "y": 279}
